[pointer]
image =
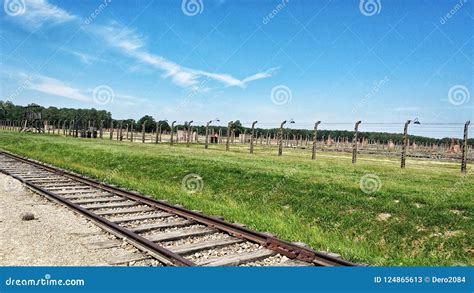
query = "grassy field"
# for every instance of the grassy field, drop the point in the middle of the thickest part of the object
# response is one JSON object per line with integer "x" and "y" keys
{"x": 422, "y": 215}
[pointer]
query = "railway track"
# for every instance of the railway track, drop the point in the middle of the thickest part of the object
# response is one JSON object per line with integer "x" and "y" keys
{"x": 169, "y": 233}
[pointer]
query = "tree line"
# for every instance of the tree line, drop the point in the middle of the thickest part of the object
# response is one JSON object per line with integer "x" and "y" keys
{"x": 12, "y": 112}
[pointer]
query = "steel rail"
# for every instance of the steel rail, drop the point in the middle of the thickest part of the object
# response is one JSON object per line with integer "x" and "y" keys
{"x": 288, "y": 249}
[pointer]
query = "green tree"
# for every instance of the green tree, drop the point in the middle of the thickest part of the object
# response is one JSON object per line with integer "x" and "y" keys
{"x": 150, "y": 123}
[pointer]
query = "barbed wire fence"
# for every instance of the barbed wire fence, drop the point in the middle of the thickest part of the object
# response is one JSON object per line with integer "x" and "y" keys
{"x": 411, "y": 139}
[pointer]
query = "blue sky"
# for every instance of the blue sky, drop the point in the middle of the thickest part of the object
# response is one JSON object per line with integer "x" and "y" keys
{"x": 379, "y": 61}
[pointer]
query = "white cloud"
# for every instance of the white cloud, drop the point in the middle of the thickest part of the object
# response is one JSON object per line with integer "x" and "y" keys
{"x": 56, "y": 87}
{"x": 83, "y": 57}
{"x": 132, "y": 44}
{"x": 130, "y": 100}
{"x": 52, "y": 86}
{"x": 39, "y": 12}
{"x": 260, "y": 75}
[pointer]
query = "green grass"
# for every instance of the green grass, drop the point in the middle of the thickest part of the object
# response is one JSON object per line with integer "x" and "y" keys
{"x": 317, "y": 202}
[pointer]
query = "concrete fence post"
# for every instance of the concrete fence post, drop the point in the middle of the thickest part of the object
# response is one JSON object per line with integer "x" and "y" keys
{"x": 252, "y": 134}
{"x": 188, "y": 138}
{"x": 172, "y": 132}
{"x": 156, "y": 138}
{"x": 121, "y": 130}
{"x": 404, "y": 145}
{"x": 280, "y": 139}
{"x": 315, "y": 136}
{"x": 229, "y": 130}
{"x": 354, "y": 142}
{"x": 159, "y": 132}
{"x": 118, "y": 130}
{"x": 64, "y": 127}
{"x": 101, "y": 129}
{"x": 464, "y": 148}
{"x": 111, "y": 132}
{"x": 206, "y": 141}
{"x": 71, "y": 125}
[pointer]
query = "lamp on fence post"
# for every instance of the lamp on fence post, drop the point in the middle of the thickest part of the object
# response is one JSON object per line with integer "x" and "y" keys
{"x": 229, "y": 126}
{"x": 280, "y": 144}
{"x": 252, "y": 136}
{"x": 464, "y": 148}
{"x": 354, "y": 142}
{"x": 143, "y": 131}
{"x": 188, "y": 140}
{"x": 206, "y": 146}
{"x": 172, "y": 132}
{"x": 405, "y": 142}
{"x": 313, "y": 155}
{"x": 158, "y": 130}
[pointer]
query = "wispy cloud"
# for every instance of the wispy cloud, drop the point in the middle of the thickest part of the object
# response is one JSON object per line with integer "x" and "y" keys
{"x": 55, "y": 87}
{"x": 131, "y": 100}
{"x": 83, "y": 57}
{"x": 40, "y": 12}
{"x": 52, "y": 86}
{"x": 129, "y": 42}
{"x": 133, "y": 44}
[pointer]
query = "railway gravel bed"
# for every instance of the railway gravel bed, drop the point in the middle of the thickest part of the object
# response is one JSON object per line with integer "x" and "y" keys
{"x": 56, "y": 236}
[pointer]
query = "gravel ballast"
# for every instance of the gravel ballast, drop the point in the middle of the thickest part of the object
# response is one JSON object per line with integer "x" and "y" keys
{"x": 55, "y": 237}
